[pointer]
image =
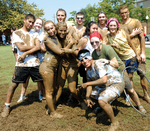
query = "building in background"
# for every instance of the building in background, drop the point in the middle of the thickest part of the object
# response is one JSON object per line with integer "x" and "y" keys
{"x": 143, "y": 3}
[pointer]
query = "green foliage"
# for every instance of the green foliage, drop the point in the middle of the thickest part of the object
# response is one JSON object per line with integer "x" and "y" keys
{"x": 111, "y": 9}
{"x": 13, "y": 12}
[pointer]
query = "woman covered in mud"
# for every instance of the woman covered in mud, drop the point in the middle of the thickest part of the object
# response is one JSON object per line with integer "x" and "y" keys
{"x": 104, "y": 84}
{"x": 48, "y": 68}
{"x": 68, "y": 68}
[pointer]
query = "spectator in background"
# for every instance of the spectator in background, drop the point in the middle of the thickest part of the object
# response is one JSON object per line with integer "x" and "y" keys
{"x": 4, "y": 39}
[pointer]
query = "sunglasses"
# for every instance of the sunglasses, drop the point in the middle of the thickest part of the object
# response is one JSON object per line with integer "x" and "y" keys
{"x": 85, "y": 58}
{"x": 80, "y": 18}
{"x": 97, "y": 42}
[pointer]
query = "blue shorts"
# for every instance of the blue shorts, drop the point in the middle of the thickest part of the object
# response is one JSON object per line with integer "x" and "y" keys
{"x": 131, "y": 62}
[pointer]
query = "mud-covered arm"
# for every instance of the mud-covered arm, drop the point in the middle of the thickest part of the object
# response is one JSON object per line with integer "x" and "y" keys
{"x": 43, "y": 48}
{"x": 133, "y": 47}
{"x": 98, "y": 82}
{"x": 82, "y": 43}
{"x": 142, "y": 44}
{"x": 31, "y": 51}
{"x": 23, "y": 47}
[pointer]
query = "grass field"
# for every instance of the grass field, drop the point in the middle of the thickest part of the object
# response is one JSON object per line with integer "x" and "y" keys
{"x": 30, "y": 115}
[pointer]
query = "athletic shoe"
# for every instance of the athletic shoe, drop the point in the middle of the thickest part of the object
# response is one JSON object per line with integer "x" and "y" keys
{"x": 147, "y": 98}
{"x": 141, "y": 109}
{"x": 127, "y": 101}
{"x": 40, "y": 97}
{"x": 55, "y": 115}
{"x": 5, "y": 112}
{"x": 21, "y": 99}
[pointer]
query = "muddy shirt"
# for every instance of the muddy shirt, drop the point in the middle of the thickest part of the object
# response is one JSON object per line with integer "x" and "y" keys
{"x": 107, "y": 52}
{"x": 26, "y": 39}
{"x": 98, "y": 71}
{"x": 125, "y": 52}
{"x": 103, "y": 31}
{"x": 80, "y": 32}
{"x": 133, "y": 24}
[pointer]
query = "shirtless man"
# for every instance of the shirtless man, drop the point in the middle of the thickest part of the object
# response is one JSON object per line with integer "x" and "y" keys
{"x": 137, "y": 37}
{"x": 80, "y": 29}
{"x": 27, "y": 45}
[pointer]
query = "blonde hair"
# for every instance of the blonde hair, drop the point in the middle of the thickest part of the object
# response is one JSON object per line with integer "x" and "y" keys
{"x": 61, "y": 24}
{"x": 40, "y": 19}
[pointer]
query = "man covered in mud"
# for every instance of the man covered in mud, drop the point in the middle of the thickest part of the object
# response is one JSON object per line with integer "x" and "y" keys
{"x": 80, "y": 29}
{"x": 27, "y": 62}
{"x": 135, "y": 30}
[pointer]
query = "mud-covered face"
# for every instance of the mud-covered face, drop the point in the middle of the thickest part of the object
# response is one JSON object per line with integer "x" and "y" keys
{"x": 80, "y": 19}
{"x": 102, "y": 19}
{"x": 113, "y": 27}
{"x": 38, "y": 25}
{"x": 28, "y": 23}
{"x": 86, "y": 62}
{"x": 50, "y": 29}
{"x": 93, "y": 28}
{"x": 62, "y": 31}
{"x": 124, "y": 13}
{"x": 61, "y": 16}
{"x": 95, "y": 42}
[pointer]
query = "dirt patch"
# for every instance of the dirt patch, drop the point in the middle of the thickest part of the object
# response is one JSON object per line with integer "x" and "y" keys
{"x": 30, "y": 114}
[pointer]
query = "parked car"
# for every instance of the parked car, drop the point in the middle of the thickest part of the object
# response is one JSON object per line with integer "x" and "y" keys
{"x": 147, "y": 37}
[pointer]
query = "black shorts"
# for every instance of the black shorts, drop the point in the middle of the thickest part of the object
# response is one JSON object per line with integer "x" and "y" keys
{"x": 15, "y": 50}
{"x": 21, "y": 74}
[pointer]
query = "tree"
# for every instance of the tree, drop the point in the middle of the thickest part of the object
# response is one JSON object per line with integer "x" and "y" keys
{"x": 13, "y": 12}
{"x": 111, "y": 7}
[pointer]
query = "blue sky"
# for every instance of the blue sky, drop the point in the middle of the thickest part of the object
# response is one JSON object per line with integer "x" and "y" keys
{"x": 50, "y": 7}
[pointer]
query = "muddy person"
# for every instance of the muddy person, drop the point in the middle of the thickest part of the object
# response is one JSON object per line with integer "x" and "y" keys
{"x": 27, "y": 46}
{"x": 107, "y": 55}
{"x": 137, "y": 38}
{"x": 105, "y": 84}
{"x": 80, "y": 29}
{"x": 37, "y": 29}
{"x": 48, "y": 68}
{"x": 102, "y": 20}
{"x": 68, "y": 68}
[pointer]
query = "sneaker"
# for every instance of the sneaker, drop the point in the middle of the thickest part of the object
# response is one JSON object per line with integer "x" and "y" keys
{"x": 48, "y": 111}
{"x": 113, "y": 126}
{"x": 21, "y": 99}
{"x": 141, "y": 109}
{"x": 5, "y": 112}
{"x": 127, "y": 101}
{"x": 40, "y": 97}
{"x": 55, "y": 115}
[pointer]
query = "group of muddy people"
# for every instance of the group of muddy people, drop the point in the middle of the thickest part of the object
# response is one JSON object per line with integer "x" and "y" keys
{"x": 98, "y": 52}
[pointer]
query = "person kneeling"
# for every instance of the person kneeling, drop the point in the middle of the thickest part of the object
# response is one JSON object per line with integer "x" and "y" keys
{"x": 105, "y": 84}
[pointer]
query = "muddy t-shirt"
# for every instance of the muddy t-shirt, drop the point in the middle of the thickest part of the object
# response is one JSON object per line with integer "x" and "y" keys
{"x": 133, "y": 24}
{"x": 98, "y": 71}
{"x": 107, "y": 52}
{"x": 26, "y": 39}
{"x": 125, "y": 52}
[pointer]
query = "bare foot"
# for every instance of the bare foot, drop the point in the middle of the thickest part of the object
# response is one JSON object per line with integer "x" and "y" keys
{"x": 113, "y": 126}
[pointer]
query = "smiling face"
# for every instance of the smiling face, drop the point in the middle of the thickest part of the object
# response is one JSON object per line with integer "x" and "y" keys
{"x": 38, "y": 25}
{"x": 96, "y": 42}
{"x": 124, "y": 13}
{"x": 50, "y": 29}
{"x": 86, "y": 62}
{"x": 80, "y": 19}
{"x": 61, "y": 16}
{"x": 93, "y": 28}
{"x": 102, "y": 19}
{"x": 62, "y": 31}
{"x": 28, "y": 23}
{"x": 113, "y": 27}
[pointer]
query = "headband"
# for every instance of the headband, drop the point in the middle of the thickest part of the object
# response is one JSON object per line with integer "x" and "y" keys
{"x": 112, "y": 19}
{"x": 85, "y": 54}
{"x": 95, "y": 34}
